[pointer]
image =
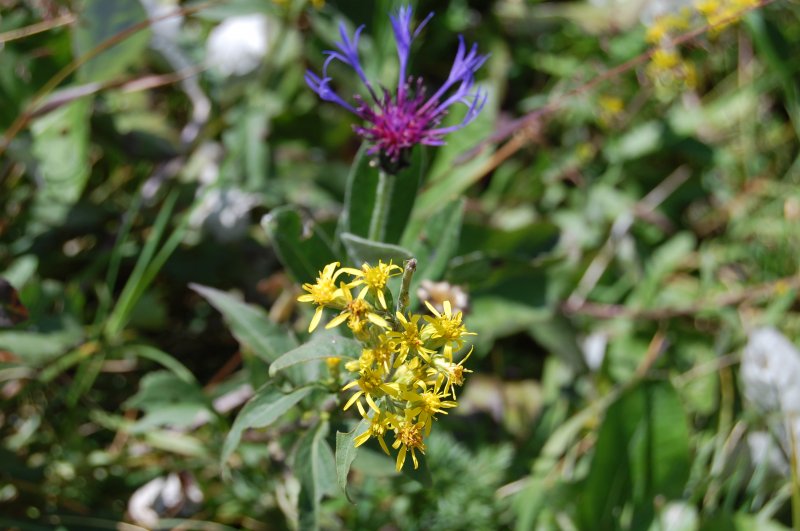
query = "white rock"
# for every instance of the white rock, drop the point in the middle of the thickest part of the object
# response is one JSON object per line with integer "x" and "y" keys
{"x": 169, "y": 27}
{"x": 765, "y": 452}
{"x": 239, "y": 44}
{"x": 770, "y": 372}
{"x": 224, "y": 212}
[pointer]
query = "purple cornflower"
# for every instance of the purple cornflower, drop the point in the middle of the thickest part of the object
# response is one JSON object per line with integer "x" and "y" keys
{"x": 396, "y": 123}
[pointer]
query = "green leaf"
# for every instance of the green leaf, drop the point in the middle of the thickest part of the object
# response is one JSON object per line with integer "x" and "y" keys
{"x": 38, "y": 348}
{"x": 263, "y": 409}
{"x": 363, "y": 250}
{"x": 318, "y": 349}
{"x": 642, "y": 452}
{"x": 434, "y": 242}
{"x": 249, "y": 324}
{"x": 304, "y": 249}
{"x": 359, "y": 197}
{"x": 61, "y": 147}
{"x": 316, "y": 469}
{"x": 345, "y": 454}
{"x": 666, "y": 259}
{"x": 101, "y": 20}
{"x": 162, "y": 387}
{"x": 162, "y": 358}
{"x": 639, "y": 142}
{"x": 362, "y": 184}
{"x": 404, "y": 196}
{"x": 450, "y": 176}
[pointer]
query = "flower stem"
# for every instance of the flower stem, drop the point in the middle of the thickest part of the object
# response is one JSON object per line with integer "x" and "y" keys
{"x": 380, "y": 212}
{"x": 408, "y": 272}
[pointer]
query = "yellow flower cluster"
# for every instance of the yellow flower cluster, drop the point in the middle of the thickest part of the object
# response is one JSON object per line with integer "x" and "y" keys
{"x": 670, "y": 71}
{"x": 667, "y": 68}
{"x": 722, "y": 13}
{"x": 406, "y": 374}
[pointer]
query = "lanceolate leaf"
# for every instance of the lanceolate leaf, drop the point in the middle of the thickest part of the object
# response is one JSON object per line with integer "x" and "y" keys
{"x": 362, "y": 250}
{"x": 323, "y": 347}
{"x": 249, "y": 324}
{"x": 304, "y": 249}
{"x": 263, "y": 409}
{"x": 345, "y": 454}
{"x": 101, "y": 20}
{"x": 316, "y": 470}
{"x": 434, "y": 242}
{"x": 649, "y": 425}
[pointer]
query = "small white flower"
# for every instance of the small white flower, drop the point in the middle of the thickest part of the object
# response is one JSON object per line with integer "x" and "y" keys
{"x": 770, "y": 372}
{"x": 238, "y": 45}
{"x": 224, "y": 212}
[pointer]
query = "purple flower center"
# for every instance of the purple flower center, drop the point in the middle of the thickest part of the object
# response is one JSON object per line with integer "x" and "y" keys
{"x": 395, "y": 125}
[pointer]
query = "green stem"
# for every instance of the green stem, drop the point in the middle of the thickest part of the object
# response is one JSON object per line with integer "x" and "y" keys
{"x": 408, "y": 272}
{"x": 380, "y": 212}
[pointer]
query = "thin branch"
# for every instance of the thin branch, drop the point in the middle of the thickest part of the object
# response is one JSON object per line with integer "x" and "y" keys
{"x": 39, "y": 27}
{"x": 750, "y": 295}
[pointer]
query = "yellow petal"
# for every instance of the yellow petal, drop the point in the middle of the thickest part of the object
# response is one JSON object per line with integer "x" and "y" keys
{"x": 401, "y": 458}
{"x": 336, "y": 321}
{"x": 315, "y": 319}
{"x": 378, "y": 320}
{"x": 361, "y": 439}
{"x": 372, "y": 404}
{"x": 383, "y": 445}
{"x": 382, "y": 299}
{"x": 433, "y": 310}
{"x": 352, "y": 399}
{"x": 349, "y": 385}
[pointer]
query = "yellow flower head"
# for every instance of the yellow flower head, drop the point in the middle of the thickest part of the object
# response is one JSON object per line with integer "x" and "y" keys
{"x": 451, "y": 374}
{"x": 381, "y": 352}
{"x": 374, "y": 278}
{"x": 408, "y": 436}
{"x": 445, "y": 327}
{"x": 357, "y": 312}
{"x": 379, "y": 424}
{"x": 323, "y": 293}
{"x": 409, "y": 339}
{"x": 426, "y": 403}
{"x": 371, "y": 386}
